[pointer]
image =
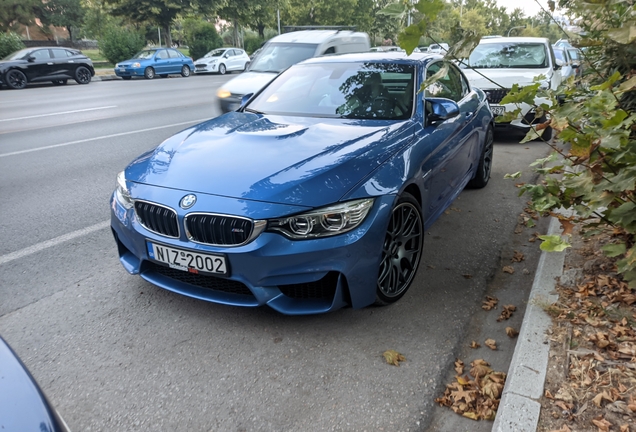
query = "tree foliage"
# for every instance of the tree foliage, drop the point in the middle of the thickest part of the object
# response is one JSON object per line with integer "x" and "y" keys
{"x": 9, "y": 42}
{"x": 63, "y": 13}
{"x": 120, "y": 43}
{"x": 201, "y": 37}
{"x": 15, "y": 12}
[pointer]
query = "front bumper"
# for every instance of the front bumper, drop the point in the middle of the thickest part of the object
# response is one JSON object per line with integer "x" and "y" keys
{"x": 129, "y": 72}
{"x": 206, "y": 68}
{"x": 292, "y": 277}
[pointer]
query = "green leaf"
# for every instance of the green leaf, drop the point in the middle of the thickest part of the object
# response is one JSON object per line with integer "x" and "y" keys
{"x": 628, "y": 85}
{"x": 616, "y": 119}
{"x": 466, "y": 45}
{"x": 625, "y": 216}
{"x": 553, "y": 243}
{"x": 614, "y": 250}
{"x": 435, "y": 77}
{"x": 394, "y": 10}
{"x": 624, "y": 35}
{"x": 430, "y": 8}
{"x": 532, "y": 134}
{"x": 530, "y": 223}
{"x": 607, "y": 84}
{"x": 513, "y": 175}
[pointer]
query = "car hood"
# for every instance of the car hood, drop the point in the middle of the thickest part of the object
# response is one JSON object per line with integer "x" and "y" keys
{"x": 249, "y": 82}
{"x": 288, "y": 160}
{"x": 207, "y": 59}
{"x": 7, "y": 63}
{"x": 504, "y": 77}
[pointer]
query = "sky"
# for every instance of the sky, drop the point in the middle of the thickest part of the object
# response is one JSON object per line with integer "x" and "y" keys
{"x": 529, "y": 7}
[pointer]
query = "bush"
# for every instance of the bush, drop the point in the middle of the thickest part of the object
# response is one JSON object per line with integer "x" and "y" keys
{"x": 9, "y": 43}
{"x": 119, "y": 44}
{"x": 201, "y": 38}
{"x": 252, "y": 43}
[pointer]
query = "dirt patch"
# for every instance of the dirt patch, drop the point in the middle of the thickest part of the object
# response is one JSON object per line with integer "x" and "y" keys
{"x": 591, "y": 377}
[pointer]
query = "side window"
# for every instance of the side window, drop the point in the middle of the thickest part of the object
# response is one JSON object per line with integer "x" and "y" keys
{"x": 41, "y": 54}
{"x": 59, "y": 53}
{"x": 330, "y": 50}
{"x": 449, "y": 86}
{"x": 162, "y": 55}
{"x": 174, "y": 54}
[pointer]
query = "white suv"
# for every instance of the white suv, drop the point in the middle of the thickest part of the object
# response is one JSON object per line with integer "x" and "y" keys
{"x": 508, "y": 61}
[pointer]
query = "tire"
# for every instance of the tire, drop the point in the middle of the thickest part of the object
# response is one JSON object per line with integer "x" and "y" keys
{"x": 149, "y": 73}
{"x": 82, "y": 75}
{"x": 60, "y": 82}
{"x": 163, "y": 75}
{"x": 126, "y": 78}
{"x": 222, "y": 69}
{"x": 547, "y": 134}
{"x": 185, "y": 71}
{"x": 15, "y": 79}
{"x": 401, "y": 251}
{"x": 484, "y": 169}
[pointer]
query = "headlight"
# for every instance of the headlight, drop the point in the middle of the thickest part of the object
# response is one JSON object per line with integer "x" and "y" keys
{"x": 324, "y": 222}
{"x": 222, "y": 93}
{"x": 212, "y": 61}
{"x": 136, "y": 65}
{"x": 122, "y": 194}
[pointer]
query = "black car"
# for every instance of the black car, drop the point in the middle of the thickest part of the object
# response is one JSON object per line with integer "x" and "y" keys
{"x": 54, "y": 64}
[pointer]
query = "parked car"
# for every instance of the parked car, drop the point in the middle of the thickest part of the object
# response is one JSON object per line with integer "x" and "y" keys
{"x": 222, "y": 60}
{"x": 315, "y": 194}
{"x": 563, "y": 59}
{"x": 151, "y": 62}
{"x": 576, "y": 56}
{"x": 508, "y": 61}
{"x": 441, "y": 48}
{"x": 387, "y": 49}
{"x": 54, "y": 64}
{"x": 23, "y": 405}
{"x": 284, "y": 50}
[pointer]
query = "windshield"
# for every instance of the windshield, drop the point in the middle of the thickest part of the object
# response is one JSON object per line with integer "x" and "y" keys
{"x": 559, "y": 54}
{"x": 340, "y": 90}
{"x": 215, "y": 53}
{"x": 18, "y": 54}
{"x": 145, "y": 54}
{"x": 509, "y": 55}
{"x": 276, "y": 57}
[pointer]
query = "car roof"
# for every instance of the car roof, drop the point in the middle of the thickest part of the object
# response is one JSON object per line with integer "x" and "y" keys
{"x": 380, "y": 56}
{"x": 312, "y": 36}
{"x": 518, "y": 39}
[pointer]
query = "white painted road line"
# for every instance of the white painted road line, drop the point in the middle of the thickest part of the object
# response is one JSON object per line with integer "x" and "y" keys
{"x": 53, "y": 242}
{"x": 100, "y": 138}
{"x": 59, "y": 113}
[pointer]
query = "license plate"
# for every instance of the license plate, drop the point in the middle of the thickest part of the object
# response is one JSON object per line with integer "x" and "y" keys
{"x": 187, "y": 261}
{"x": 498, "y": 110}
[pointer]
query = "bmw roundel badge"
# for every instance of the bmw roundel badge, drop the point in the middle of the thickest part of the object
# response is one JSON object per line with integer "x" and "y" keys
{"x": 188, "y": 201}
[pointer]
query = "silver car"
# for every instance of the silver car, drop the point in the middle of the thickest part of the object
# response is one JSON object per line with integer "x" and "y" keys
{"x": 222, "y": 60}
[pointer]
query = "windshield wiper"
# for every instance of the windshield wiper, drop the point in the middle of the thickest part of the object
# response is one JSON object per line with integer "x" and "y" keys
{"x": 264, "y": 71}
{"x": 253, "y": 111}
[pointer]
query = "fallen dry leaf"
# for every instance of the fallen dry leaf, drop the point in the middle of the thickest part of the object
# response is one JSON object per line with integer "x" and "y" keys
{"x": 602, "y": 424}
{"x": 567, "y": 226}
{"x": 563, "y": 428}
{"x": 491, "y": 343}
{"x": 474, "y": 345}
{"x": 480, "y": 368}
{"x": 459, "y": 367}
{"x": 393, "y": 357}
{"x": 489, "y": 303}
{"x": 467, "y": 276}
{"x": 624, "y": 428}
{"x": 508, "y": 269}
{"x": 507, "y": 312}
{"x": 511, "y": 332}
{"x": 518, "y": 257}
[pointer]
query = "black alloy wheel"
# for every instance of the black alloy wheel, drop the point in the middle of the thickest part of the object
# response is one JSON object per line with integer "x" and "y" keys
{"x": 59, "y": 82}
{"x": 149, "y": 73}
{"x": 222, "y": 69}
{"x": 185, "y": 71}
{"x": 82, "y": 75}
{"x": 484, "y": 169}
{"x": 15, "y": 79}
{"x": 401, "y": 251}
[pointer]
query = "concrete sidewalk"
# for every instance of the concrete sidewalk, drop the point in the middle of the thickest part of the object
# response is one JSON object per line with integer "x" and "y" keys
{"x": 520, "y": 405}
{"x": 105, "y": 75}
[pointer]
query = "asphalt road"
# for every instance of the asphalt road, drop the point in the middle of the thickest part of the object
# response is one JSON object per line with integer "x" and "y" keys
{"x": 116, "y": 353}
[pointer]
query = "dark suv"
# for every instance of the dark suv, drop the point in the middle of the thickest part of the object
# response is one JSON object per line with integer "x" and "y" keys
{"x": 54, "y": 64}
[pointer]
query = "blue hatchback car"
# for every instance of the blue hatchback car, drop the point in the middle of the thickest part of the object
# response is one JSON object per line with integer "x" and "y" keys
{"x": 315, "y": 194}
{"x": 155, "y": 61}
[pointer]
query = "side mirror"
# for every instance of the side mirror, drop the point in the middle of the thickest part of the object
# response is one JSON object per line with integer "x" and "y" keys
{"x": 245, "y": 99}
{"x": 30, "y": 59}
{"x": 440, "y": 109}
{"x": 559, "y": 62}
{"x": 575, "y": 66}
{"x": 158, "y": 58}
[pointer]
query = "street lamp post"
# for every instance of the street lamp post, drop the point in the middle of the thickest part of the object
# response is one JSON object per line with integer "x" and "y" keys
{"x": 518, "y": 27}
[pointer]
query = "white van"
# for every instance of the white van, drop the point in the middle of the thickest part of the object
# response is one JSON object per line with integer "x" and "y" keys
{"x": 284, "y": 50}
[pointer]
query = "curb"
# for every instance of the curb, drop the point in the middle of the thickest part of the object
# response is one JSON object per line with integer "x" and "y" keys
{"x": 520, "y": 407}
{"x": 105, "y": 78}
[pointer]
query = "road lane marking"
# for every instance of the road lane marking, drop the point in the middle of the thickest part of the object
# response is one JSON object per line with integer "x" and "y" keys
{"x": 59, "y": 113}
{"x": 101, "y": 137}
{"x": 53, "y": 242}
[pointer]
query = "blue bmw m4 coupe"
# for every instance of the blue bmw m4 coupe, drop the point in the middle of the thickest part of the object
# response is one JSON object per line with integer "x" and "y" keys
{"x": 316, "y": 193}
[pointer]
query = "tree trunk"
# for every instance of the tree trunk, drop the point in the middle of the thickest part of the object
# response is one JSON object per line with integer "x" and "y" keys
{"x": 69, "y": 29}
{"x": 236, "y": 34}
{"x": 167, "y": 37}
{"x": 261, "y": 30}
